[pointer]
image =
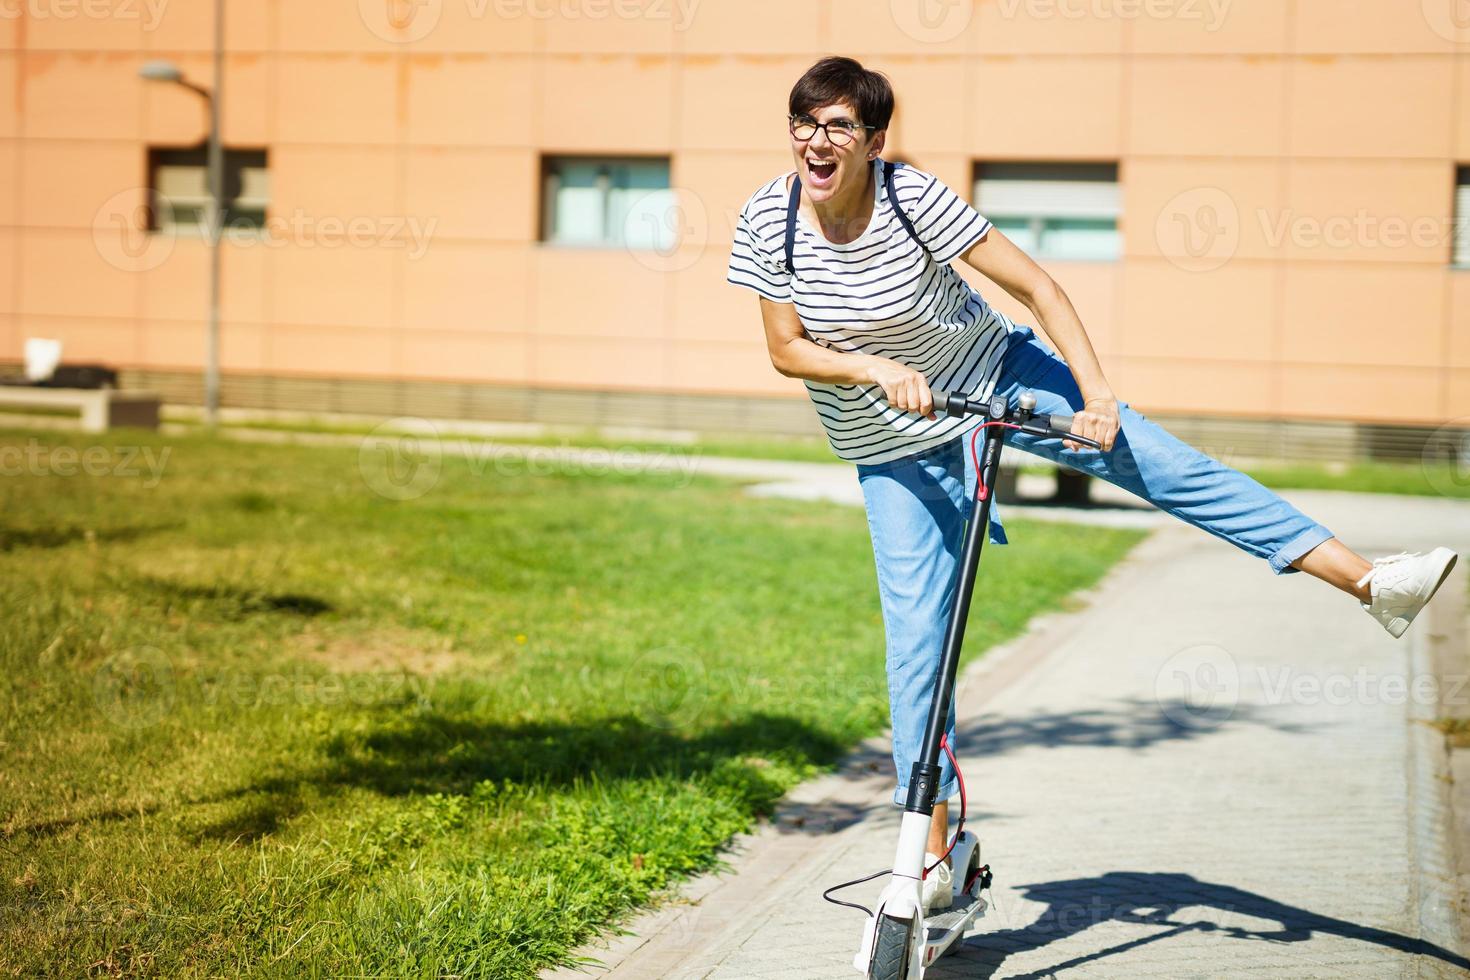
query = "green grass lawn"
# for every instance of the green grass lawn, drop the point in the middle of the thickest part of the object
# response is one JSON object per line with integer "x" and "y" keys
{"x": 792, "y": 448}
{"x": 1414, "y": 478}
{"x": 260, "y": 719}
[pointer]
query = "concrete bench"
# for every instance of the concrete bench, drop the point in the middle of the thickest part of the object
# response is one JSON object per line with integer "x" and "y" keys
{"x": 100, "y": 409}
{"x": 1072, "y": 486}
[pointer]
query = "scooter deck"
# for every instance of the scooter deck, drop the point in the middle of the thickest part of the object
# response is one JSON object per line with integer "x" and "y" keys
{"x": 944, "y": 929}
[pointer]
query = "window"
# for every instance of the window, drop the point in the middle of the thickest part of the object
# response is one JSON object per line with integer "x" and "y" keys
{"x": 1053, "y": 210}
{"x": 1462, "y": 219}
{"x": 619, "y": 202}
{"x": 180, "y": 185}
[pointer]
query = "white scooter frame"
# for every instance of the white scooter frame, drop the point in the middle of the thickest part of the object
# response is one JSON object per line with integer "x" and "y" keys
{"x": 900, "y": 900}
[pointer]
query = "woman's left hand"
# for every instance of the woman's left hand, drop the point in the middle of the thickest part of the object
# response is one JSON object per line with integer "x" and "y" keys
{"x": 1098, "y": 421}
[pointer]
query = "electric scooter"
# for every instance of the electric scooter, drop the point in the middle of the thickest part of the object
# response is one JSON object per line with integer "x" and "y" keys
{"x": 899, "y": 939}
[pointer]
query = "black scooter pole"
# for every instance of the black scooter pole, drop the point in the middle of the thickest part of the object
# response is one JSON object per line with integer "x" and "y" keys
{"x": 924, "y": 780}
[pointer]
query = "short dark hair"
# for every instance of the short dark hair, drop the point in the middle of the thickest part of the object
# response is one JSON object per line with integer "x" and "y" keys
{"x": 834, "y": 80}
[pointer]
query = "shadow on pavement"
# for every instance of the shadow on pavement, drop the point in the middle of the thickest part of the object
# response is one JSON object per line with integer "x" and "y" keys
{"x": 1130, "y": 724}
{"x": 1160, "y": 900}
{"x": 434, "y": 752}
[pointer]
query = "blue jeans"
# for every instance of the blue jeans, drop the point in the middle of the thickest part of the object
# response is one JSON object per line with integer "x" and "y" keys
{"x": 917, "y": 507}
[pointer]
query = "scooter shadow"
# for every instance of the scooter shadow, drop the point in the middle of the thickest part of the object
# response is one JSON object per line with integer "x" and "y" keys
{"x": 1174, "y": 905}
{"x": 1131, "y": 723}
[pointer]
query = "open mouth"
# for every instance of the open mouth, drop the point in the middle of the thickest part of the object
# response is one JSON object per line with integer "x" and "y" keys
{"x": 822, "y": 172}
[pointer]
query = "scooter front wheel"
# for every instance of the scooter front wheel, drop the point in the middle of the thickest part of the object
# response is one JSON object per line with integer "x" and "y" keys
{"x": 892, "y": 946}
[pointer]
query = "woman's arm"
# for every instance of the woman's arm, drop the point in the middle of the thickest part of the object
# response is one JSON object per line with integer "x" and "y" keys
{"x": 795, "y": 355}
{"x": 1000, "y": 261}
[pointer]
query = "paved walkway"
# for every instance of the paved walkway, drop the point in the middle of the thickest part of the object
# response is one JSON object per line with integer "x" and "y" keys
{"x": 1210, "y": 770}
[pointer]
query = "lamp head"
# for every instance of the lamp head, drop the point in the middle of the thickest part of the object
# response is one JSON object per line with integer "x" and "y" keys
{"x": 161, "y": 71}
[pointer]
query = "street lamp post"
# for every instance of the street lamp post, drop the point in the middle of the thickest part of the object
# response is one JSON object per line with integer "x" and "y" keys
{"x": 166, "y": 71}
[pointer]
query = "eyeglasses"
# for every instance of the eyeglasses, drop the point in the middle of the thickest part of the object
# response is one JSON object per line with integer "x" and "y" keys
{"x": 840, "y": 132}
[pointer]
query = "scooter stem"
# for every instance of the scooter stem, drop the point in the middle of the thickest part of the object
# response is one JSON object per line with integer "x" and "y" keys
{"x": 924, "y": 779}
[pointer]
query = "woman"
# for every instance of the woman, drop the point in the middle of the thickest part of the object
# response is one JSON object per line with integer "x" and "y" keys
{"x": 859, "y": 301}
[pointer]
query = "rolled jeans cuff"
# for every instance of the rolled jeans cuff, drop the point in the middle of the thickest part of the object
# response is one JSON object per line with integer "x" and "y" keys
{"x": 1296, "y": 547}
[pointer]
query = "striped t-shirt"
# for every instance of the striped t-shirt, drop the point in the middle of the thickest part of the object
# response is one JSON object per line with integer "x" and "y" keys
{"x": 881, "y": 294}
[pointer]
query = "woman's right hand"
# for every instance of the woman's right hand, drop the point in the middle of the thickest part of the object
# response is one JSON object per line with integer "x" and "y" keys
{"x": 905, "y": 388}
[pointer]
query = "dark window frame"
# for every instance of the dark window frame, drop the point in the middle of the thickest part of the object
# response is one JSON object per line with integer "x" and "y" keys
{"x": 1101, "y": 171}
{"x": 236, "y": 160}
{"x": 547, "y": 166}
{"x": 1460, "y": 220}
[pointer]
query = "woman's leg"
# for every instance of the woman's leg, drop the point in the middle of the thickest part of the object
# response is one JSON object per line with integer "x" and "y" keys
{"x": 1148, "y": 461}
{"x": 1336, "y": 564}
{"x": 916, "y": 520}
{"x": 939, "y": 828}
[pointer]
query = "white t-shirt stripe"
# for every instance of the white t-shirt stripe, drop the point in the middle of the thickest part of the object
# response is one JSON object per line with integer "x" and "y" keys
{"x": 882, "y": 295}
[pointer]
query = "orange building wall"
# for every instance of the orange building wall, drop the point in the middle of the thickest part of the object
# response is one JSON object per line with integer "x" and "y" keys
{"x": 1287, "y": 114}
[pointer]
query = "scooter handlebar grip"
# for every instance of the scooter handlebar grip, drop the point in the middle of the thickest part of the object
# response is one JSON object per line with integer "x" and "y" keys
{"x": 1062, "y": 425}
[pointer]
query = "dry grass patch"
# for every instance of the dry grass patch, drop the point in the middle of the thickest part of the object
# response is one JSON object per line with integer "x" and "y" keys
{"x": 386, "y": 650}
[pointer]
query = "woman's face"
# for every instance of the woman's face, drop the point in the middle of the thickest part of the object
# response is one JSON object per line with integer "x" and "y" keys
{"x": 829, "y": 168}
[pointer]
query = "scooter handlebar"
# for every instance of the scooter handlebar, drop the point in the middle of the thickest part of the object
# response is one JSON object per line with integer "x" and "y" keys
{"x": 947, "y": 403}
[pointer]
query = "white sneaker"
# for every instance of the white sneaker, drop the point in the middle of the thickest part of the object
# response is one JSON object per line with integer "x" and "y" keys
{"x": 1402, "y": 584}
{"x": 937, "y": 890}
